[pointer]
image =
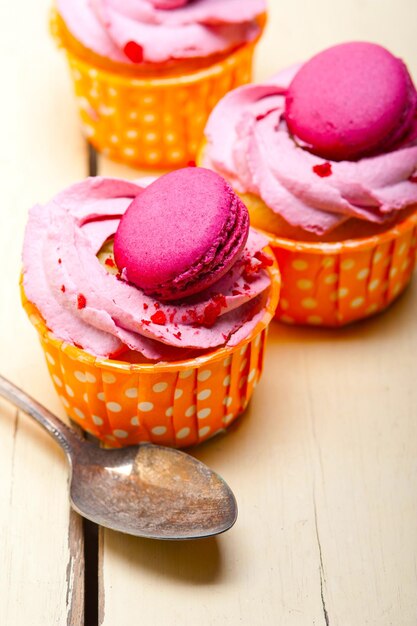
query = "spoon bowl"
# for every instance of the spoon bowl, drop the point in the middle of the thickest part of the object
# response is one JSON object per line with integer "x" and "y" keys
{"x": 151, "y": 491}
{"x": 146, "y": 490}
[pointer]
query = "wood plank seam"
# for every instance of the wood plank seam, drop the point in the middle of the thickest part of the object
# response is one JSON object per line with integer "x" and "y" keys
{"x": 75, "y": 571}
{"x": 322, "y": 570}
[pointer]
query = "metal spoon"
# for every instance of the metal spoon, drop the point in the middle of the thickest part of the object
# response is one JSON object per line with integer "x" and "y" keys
{"x": 145, "y": 490}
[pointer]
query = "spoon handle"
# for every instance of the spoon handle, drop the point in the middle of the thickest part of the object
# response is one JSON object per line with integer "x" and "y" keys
{"x": 67, "y": 438}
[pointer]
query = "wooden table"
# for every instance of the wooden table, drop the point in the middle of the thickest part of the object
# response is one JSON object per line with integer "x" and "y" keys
{"x": 323, "y": 464}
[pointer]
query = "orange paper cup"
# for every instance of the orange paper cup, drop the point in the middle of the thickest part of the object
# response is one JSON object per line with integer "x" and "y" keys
{"x": 151, "y": 121}
{"x": 175, "y": 404}
{"x": 333, "y": 284}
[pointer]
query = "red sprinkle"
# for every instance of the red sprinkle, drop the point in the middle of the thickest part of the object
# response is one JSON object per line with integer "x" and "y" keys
{"x": 81, "y": 301}
{"x": 236, "y": 292}
{"x": 261, "y": 116}
{"x": 413, "y": 178}
{"x": 159, "y": 318}
{"x": 109, "y": 261}
{"x": 133, "y": 51}
{"x": 220, "y": 299}
{"x": 59, "y": 261}
{"x": 63, "y": 288}
{"x": 145, "y": 322}
{"x": 250, "y": 268}
{"x": 123, "y": 348}
{"x": 192, "y": 315}
{"x": 323, "y": 170}
{"x": 157, "y": 305}
{"x": 265, "y": 260}
{"x": 210, "y": 314}
{"x": 177, "y": 335}
{"x": 212, "y": 311}
{"x": 145, "y": 306}
{"x": 191, "y": 163}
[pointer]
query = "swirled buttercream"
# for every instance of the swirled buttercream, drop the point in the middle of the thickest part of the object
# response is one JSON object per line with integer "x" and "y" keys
{"x": 248, "y": 142}
{"x": 161, "y": 30}
{"x": 86, "y": 305}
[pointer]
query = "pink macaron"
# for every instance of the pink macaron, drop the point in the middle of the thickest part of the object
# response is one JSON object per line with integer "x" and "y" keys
{"x": 352, "y": 100}
{"x": 181, "y": 234}
{"x": 169, "y": 4}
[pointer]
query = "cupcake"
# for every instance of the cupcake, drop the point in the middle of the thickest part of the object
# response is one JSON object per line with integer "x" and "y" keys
{"x": 147, "y": 74}
{"x": 325, "y": 157}
{"x": 151, "y": 304}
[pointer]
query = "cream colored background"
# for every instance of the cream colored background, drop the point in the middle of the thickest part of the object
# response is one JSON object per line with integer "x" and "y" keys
{"x": 324, "y": 463}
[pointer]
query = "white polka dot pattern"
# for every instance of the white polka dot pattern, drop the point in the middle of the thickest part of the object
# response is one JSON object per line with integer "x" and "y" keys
{"x": 186, "y": 373}
{"x": 160, "y": 387}
{"x": 132, "y": 392}
{"x": 204, "y": 375}
{"x": 171, "y": 407}
{"x": 338, "y": 284}
{"x": 50, "y": 358}
{"x": 145, "y": 406}
{"x": 183, "y": 433}
{"x": 69, "y": 391}
{"x": 114, "y": 407}
{"x": 203, "y": 432}
{"x": 153, "y": 122}
{"x": 64, "y": 402}
{"x": 123, "y": 434}
{"x": 159, "y": 430}
{"x": 109, "y": 379}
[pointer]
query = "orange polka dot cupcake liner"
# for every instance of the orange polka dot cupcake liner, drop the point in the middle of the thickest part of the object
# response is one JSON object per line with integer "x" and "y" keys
{"x": 152, "y": 122}
{"x": 177, "y": 404}
{"x": 333, "y": 284}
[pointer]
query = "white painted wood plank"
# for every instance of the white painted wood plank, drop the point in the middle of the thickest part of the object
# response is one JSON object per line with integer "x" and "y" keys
{"x": 40, "y": 152}
{"x": 299, "y": 29}
{"x": 324, "y": 468}
{"x": 324, "y": 462}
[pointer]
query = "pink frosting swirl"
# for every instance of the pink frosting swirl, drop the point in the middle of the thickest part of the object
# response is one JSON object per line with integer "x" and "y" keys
{"x": 82, "y": 303}
{"x": 249, "y": 144}
{"x": 161, "y": 30}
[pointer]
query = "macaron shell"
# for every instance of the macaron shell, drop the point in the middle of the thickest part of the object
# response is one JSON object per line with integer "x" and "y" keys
{"x": 188, "y": 226}
{"x": 351, "y": 100}
{"x": 169, "y": 4}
